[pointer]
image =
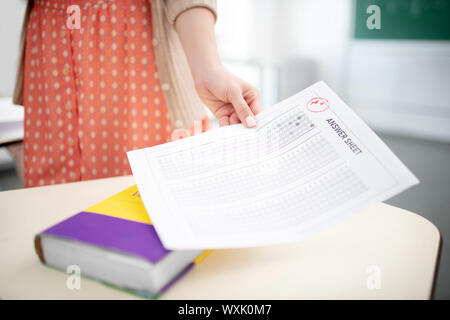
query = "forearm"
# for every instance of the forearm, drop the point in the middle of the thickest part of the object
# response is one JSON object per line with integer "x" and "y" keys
{"x": 229, "y": 98}
{"x": 195, "y": 28}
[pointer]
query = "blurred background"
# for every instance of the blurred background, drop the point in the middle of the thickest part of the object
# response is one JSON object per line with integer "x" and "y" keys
{"x": 397, "y": 78}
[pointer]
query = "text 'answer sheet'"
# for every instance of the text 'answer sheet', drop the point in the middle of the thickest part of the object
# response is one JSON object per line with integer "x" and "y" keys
{"x": 310, "y": 162}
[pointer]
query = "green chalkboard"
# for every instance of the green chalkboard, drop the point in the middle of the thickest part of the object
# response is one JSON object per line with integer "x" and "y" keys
{"x": 404, "y": 19}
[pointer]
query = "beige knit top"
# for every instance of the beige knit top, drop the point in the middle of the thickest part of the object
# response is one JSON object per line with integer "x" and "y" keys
{"x": 177, "y": 84}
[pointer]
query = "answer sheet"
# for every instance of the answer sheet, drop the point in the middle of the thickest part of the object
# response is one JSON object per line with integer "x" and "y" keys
{"x": 310, "y": 162}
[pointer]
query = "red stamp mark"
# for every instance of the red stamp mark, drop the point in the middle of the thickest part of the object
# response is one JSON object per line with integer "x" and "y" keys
{"x": 317, "y": 104}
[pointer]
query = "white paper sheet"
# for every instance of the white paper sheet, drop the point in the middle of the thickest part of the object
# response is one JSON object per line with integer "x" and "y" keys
{"x": 310, "y": 162}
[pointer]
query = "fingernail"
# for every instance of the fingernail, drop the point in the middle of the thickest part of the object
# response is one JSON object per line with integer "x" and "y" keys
{"x": 251, "y": 122}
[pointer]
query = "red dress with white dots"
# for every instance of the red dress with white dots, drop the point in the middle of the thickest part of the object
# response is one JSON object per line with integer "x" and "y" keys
{"x": 90, "y": 94}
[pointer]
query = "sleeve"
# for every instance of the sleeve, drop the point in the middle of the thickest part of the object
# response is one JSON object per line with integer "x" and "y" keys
{"x": 177, "y": 7}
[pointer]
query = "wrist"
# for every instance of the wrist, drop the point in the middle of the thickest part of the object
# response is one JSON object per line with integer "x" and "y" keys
{"x": 203, "y": 70}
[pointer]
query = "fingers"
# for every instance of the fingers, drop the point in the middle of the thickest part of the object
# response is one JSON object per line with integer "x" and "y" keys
{"x": 242, "y": 109}
{"x": 243, "y": 104}
{"x": 224, "y": 121}
{"x": 234, "y": 119}
{"x": 253, "y": 101}
{"x": 225, "y": 110}
{"x": 229, "y": 120}
{"x": 227, "y": 116}
{"x": 223, "y": 114}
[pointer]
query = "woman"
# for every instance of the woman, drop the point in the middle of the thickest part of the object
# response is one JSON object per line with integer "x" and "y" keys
{"x": 131, "y": 73}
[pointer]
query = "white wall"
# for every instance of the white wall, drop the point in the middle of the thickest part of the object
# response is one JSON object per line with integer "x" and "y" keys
{"x": 402, "y": 87}
{"x": 320, "y": 31}
{"x": 11, "y": 17}
{"x": 396, "y": 86}
{"x": 280, "y": 33}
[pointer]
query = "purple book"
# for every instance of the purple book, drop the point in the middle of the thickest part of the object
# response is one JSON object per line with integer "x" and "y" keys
{"x": 115, "y": 243}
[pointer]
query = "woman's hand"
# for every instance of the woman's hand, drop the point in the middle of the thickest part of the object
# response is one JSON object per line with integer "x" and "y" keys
{"x": 230, "y": 99}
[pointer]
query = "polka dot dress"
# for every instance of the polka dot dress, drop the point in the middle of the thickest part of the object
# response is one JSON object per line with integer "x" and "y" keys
{"x": 90, "y": 94}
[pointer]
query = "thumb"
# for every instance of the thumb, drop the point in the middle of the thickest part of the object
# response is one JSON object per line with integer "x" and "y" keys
{"x": 243, "y": 111}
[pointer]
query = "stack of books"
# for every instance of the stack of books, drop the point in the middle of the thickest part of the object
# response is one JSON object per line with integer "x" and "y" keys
{"x": 115, "y": 243}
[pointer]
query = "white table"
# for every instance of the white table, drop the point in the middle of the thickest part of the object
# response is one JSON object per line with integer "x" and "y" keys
{"x": 381, "y": 246}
